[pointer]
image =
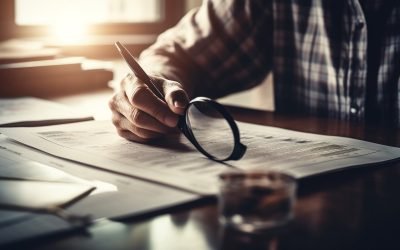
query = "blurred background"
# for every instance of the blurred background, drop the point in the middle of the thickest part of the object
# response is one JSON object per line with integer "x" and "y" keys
{"x": 37, "y": 30}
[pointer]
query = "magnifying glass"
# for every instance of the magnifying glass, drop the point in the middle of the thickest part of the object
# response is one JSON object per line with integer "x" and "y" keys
{"x": 212, "y": 130}
{"x": 205, "y": 123}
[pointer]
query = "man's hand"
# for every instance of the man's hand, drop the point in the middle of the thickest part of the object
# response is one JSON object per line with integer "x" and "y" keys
{"x": 139, "y": 115}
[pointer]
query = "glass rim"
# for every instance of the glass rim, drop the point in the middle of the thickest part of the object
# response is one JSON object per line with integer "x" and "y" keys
{"x": 235, "y": 177}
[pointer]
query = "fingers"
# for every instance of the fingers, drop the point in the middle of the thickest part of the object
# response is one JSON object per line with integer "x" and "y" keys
{"x": 130, "y": 136}
{"x": 175, "y": 97}
{"x": 120, "y": 104}
{"x": 131, "y": 132}
{"x": 140, "y": 115}
{"x": 141, "y": 97}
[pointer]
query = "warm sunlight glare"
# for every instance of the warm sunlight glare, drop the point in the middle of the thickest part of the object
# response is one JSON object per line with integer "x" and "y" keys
{"x": 69, "y": 20}
{"x": 69, "y": 32}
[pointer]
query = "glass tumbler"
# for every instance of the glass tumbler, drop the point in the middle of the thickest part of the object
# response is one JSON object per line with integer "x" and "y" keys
{"x": 256, "y": 200}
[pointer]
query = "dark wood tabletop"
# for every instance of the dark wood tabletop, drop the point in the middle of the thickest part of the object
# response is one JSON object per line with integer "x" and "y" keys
{"x": 357, "y": 208}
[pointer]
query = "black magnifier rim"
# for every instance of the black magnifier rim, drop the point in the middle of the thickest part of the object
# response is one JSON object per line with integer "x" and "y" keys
{"x": 184, "y": 124}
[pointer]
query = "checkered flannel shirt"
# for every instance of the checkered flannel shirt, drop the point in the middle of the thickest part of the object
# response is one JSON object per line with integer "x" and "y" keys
{"x": 317, "y": 51}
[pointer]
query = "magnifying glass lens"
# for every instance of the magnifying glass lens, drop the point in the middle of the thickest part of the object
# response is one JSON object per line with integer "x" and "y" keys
{"x": 211, "y": 130}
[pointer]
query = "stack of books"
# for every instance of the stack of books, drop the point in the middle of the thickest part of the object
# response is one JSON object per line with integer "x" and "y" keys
{"x": 53, "y": 77}
{"x": 28, "y": 68}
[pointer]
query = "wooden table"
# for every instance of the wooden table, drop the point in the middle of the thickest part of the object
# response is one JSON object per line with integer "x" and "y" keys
{"x": 352, "y": 209}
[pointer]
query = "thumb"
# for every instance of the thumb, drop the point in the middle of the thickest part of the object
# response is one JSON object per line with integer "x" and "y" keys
{"x": 175, "y": 96}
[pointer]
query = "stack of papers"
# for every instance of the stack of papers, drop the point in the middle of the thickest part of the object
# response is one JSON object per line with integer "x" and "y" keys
{"x": 175, "y": 162}
{"x": 132, "y": 178}
{"x": 36, "y": 176}
{"x": 30, "y": 111}
{"x": 26, "y": 195}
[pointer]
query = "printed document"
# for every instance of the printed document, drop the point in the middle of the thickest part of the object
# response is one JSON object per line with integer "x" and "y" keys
{"x": 176, "y": 162}
{"x": 115, "y": 196}
{"x": 30, "y": 111}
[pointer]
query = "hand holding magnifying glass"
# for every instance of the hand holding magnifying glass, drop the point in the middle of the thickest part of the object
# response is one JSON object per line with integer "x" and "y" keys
{"x": 205, "y": 123}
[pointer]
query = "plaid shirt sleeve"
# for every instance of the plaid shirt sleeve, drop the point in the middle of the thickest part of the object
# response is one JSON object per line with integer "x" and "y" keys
{"x": 318, "y": 51}
{"x": 218, "y": 48}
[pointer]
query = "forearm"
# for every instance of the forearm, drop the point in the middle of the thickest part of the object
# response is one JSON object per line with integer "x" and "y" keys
{"x": 165, "y": 66}
{"x": 169, "y": 58}
{"x": 213, "y": 51}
